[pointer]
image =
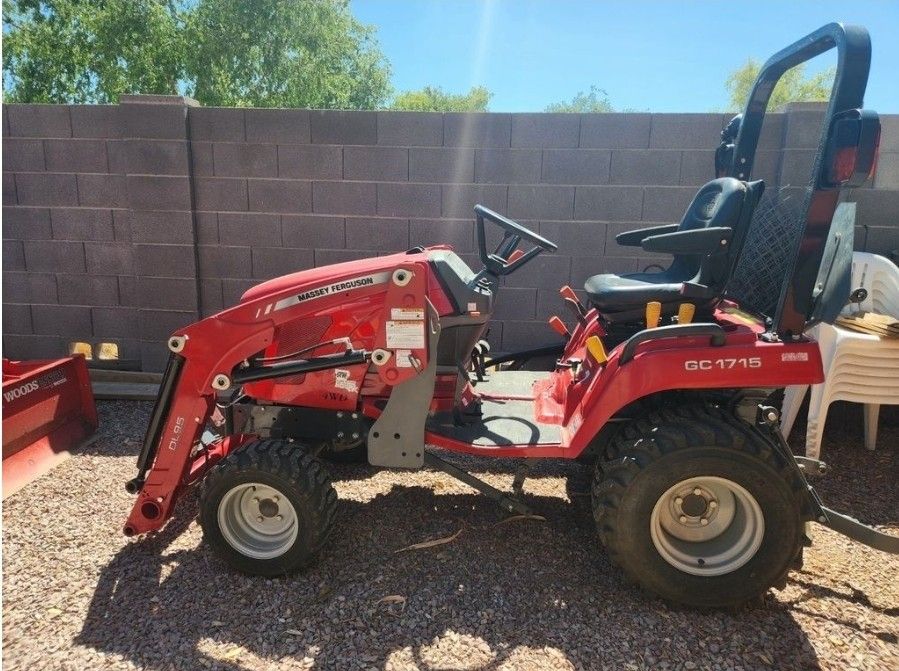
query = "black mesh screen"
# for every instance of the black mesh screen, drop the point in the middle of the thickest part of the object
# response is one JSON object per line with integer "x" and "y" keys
{"x": 769, "y": 250}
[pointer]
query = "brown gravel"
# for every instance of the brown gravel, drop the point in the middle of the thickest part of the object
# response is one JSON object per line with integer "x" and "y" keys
{"x": 523, "y": 595}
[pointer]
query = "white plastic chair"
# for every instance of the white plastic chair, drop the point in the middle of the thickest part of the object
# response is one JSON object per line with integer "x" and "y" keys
{"x": 858, "y": 367}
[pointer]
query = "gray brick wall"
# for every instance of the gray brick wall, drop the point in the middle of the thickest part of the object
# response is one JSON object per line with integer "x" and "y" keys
{"x": 123, "y": 222}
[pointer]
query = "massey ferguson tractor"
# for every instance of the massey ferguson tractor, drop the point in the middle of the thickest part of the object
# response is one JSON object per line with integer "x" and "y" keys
{"x": 668, "y": 381}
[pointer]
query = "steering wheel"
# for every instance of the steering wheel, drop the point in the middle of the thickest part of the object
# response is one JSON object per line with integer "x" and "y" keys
{"x": 507, "y": 258}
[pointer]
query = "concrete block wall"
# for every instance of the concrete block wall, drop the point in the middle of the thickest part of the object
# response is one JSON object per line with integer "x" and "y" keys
{"x": 123, "y": 222}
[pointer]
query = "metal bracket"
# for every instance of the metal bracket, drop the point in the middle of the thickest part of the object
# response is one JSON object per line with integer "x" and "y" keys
{"x": 811, "y": 466}
{"x": 848, "y": 526}
{"x": 522, "y": 472}
{"x": 396, "y": 439}
{"x": 507, "y": 503}
{"x": 768, "y": 417}
{"x": 857, "y": 531}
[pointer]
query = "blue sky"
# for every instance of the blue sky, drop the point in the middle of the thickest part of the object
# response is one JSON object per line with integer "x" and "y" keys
{"x": 656, "y": 56}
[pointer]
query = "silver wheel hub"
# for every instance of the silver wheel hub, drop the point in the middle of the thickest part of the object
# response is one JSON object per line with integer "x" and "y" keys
{"x": 707, "y": 526}
{"x": 258, "y": 520}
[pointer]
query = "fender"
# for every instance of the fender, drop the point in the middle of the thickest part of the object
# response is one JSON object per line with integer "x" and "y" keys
{"x": 606, "y": 390}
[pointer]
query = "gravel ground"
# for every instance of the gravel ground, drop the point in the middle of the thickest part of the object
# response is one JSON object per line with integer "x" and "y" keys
{"x": 521, "y": 595}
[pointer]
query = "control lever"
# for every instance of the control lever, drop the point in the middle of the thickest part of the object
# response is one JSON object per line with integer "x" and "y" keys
{"x": 574, "y": 303}
{"x": 514, "y": 256}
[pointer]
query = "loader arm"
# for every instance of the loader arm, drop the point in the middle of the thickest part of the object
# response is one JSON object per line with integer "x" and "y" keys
{"x": 218, "y": 353}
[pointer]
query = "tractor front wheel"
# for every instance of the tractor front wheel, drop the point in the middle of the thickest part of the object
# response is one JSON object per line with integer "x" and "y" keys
{"x": 267, "y": 508}
{"x": 698, "y": 507}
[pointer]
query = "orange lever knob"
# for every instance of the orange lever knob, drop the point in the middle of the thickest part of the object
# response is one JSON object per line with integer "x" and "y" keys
{"x": 568, "y": 294}
{"x": 559, "y": 326}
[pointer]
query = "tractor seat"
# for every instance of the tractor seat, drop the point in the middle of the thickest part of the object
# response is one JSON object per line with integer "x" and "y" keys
{"x": 615, "y": 293}
{"x": 704, "y": 246}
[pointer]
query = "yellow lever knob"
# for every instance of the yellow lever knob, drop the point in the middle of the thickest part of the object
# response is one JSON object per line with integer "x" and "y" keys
{"x": 685, "y": 312}
{"x": 596, "y": 349}
{"x": 653, "y": 314}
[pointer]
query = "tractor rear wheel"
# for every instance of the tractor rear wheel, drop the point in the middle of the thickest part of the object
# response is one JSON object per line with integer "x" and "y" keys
{"x": 698, "y": 507}
{"x": 268, "y": 508}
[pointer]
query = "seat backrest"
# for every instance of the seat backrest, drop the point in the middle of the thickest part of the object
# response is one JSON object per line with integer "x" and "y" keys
{"x": 717, "y": 203}
{"x": 721, "y": 269}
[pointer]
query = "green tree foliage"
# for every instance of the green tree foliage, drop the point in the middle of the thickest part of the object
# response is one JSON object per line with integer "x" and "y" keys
{"x": 283, "y": 53}
{"x": 89, "y": 52}
{"x": 794, "y": 86}
{"x": 266, "y": 53}
{"x": 435, "y": 99}
{"x": 596, "y": 100}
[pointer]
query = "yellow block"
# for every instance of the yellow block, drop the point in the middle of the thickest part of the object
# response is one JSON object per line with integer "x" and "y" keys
{"x": 81, "y": 348}
{"x": 653, "y": 314}
{"x": 108, "y": 350}
{"x": 685, "y": 312}
{"x": 596, "y": 349}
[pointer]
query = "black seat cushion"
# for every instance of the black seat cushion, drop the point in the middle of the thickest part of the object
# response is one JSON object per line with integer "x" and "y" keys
{"x": 614, "y": 293}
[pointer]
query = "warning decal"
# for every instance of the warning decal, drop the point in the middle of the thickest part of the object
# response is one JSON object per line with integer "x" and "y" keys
{"x": 405, "y": 334}
{"x": 407, "y": 313}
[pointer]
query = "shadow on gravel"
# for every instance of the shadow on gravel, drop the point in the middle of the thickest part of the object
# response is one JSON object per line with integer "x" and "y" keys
{"x": 522, "y": 594}
{"x": 854, "y": 595}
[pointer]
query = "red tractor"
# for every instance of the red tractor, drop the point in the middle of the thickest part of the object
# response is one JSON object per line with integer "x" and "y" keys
{"x": 666, "y": 381}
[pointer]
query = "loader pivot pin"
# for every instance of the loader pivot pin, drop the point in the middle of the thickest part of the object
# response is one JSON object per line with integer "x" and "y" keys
{"x": 177, "y": 343}
{"x": 221, "y": 382}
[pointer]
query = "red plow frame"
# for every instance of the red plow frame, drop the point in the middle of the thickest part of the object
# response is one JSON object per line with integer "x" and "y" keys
{"x": 48, "y": 409}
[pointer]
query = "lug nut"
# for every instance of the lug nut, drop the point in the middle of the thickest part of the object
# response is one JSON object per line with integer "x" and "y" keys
{"x": 276, "y": 498}
{"x": 679, "y": 501}
{"x": 280, "y": 517}
{"x": 260, "y": 519}
{"x": 704, "y": 521}
{"x": 683, "y": 519}
{"x": 697, "y": 491}
{"x": 713, "y": 504}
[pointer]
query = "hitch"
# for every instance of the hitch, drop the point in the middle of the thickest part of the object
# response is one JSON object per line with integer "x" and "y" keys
{"x": 768, "y": 417}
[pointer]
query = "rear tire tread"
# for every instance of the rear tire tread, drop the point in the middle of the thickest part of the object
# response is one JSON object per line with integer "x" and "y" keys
{"x": 660, "y": 432}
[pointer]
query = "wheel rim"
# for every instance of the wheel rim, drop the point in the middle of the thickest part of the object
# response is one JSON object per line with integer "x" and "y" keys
{"x": 257, "y": 520}
{"x": 707, "y": 526}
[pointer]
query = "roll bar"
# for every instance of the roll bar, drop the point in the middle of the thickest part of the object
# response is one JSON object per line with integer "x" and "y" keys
{"x": 799, "y": 293}
{"x": 853, "y": 46}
